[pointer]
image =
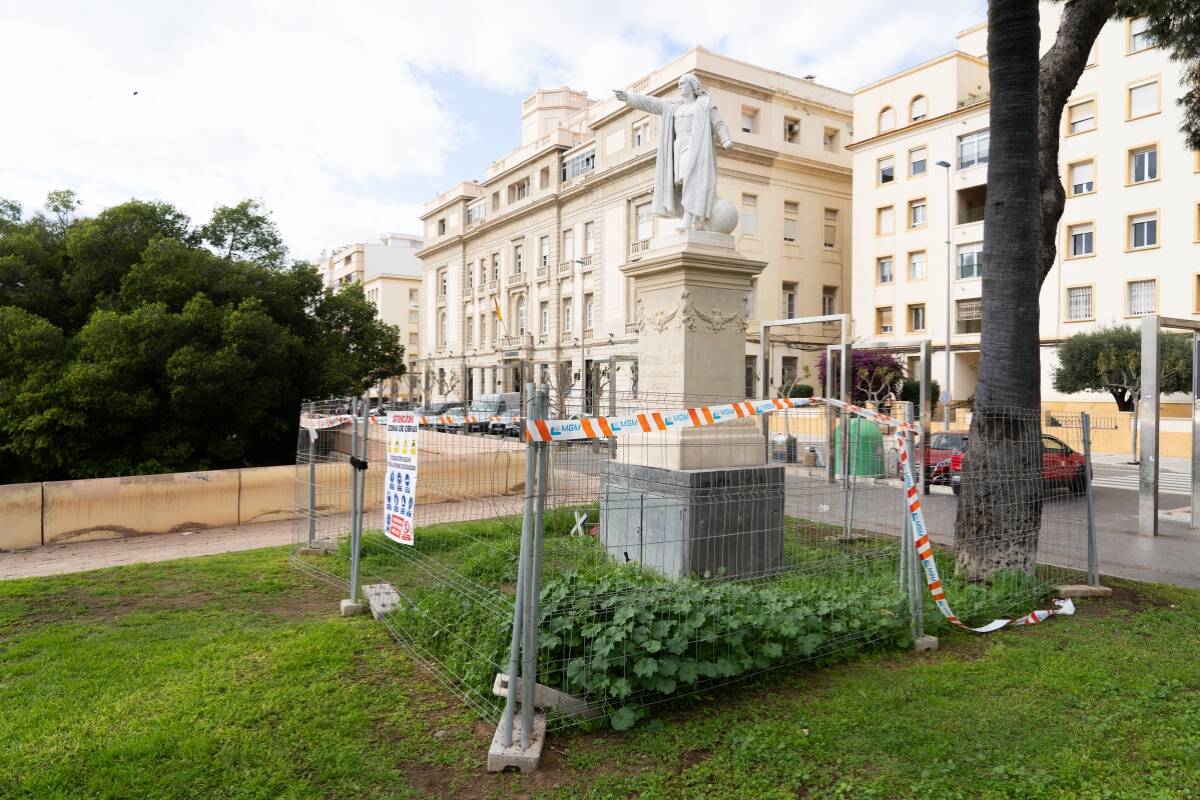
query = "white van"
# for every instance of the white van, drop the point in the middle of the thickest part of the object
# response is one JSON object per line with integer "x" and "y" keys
{"x": 492, "y": 405}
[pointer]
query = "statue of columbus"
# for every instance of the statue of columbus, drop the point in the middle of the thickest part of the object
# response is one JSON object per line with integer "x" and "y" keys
{"x": 685, "y": 174}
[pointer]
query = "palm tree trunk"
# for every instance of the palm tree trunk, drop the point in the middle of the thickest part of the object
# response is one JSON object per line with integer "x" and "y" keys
{"x": 999, "y": 513}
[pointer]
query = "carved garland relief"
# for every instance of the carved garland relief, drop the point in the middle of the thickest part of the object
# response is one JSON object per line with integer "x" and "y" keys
{"x": 685, "y": 313}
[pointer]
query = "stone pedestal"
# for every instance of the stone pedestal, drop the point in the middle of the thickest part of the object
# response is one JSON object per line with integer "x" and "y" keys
{"x": 692, "y": 291}
{"x": 694, "y": 501}
{"x": 708, "y": 523}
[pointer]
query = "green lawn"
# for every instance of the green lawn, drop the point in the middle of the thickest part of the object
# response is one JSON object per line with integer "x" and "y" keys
{"x": 233, "y": 676}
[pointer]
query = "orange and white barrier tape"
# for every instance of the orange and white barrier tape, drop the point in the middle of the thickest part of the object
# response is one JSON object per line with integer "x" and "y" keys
{"x": 702, "y": 416}
{"x": 319, "y": 422}
{"x": 314, "y": 422}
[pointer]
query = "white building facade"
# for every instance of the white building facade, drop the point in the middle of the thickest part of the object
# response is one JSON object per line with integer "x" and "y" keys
{"x": 390, "y": 274}
{"x": 1129, "y": 240}
{"x": 544, "y": 236}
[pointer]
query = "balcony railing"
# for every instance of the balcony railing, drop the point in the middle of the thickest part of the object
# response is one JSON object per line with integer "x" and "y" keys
{"x": 586, "y": 262}
{"x": 493, "y": 286}
{"x": 524, "y": 340}
{"x": 515, "y": 278}
{"x": 467, "y": 292}
{"x": 588, "y": 333}
{"x": 974, "y": 99}
{"x": 542, "y": 273}
{"x": 640, "y": 246}
{"x": 971, "y": 215}
{"x": 565, "y": 267}
{"x": 631, "y": 327}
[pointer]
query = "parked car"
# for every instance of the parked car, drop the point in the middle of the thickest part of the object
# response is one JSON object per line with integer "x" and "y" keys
{"x": 490, "y": 405}
{"x": 1062, "y": 467}
{"x": 453, "y": 426}
{"x": 941, "y": 447}
{"x": 499, "y": 427}
{"x": 515, "y": 426}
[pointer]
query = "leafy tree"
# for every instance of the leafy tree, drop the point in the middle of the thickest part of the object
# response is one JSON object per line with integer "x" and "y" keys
{"x": 999, "y": 513}
{"x": 245, "y": 232}
{"x": 100, "y": 250}
{"x": 358, "y": 346}
{"x": 62, "y": 204}
{"x": 32, "y": 413}
{"x": 874, "y": 374}
{"x": 910, "y": 392}
{"x": 1110, "y": 360}
{"x": 10, "y": 212}
{"x": 168, "y": 356}
{"x": 31, "y": 267}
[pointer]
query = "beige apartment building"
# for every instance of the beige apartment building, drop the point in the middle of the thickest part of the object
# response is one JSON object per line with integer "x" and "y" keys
{"x": 1129, "y": 241}
{"x": 542, "y": 238}
{"x": 390, "y": 274}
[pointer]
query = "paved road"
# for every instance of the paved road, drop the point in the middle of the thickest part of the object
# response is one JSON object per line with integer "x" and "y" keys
{"x": 1171, "y": 557}
{"x": 1126, "y": 477}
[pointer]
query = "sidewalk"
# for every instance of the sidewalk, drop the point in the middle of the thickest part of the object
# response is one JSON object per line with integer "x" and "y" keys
{"x": 1166, "y": 464}
{"x": 80, "y": 556}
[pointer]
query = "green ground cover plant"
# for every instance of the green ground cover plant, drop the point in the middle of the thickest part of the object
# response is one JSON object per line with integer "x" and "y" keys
{"x": 623, "y": 637}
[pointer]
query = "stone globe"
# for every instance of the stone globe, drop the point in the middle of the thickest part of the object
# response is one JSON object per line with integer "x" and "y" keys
{"x": 724, "y": 216}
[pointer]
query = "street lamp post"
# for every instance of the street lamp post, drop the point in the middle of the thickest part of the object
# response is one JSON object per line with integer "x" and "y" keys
{"x": 946, "y": 396}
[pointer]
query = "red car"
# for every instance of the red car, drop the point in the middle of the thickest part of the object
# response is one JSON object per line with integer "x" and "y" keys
{"x": 942, "y": 446}
{"x": 1062, "y": 467}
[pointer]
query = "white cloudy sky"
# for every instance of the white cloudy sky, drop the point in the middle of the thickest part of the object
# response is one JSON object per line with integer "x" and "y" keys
{"x": 344, "y": 117}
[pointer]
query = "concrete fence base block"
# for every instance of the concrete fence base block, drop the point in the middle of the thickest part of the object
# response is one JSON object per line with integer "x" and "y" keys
{"x": 350, "y": 608}
{"x": 1082, "y": 590}
{"x": 381, "y": 598}
{"x": 545, "y": 697}
{"x": 320, "y": 547}
{"x": 501, "y": 758}
{"x": 925, "y": 642}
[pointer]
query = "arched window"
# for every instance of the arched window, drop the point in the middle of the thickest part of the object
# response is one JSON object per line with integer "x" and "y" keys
{"x": 919, "y": 109}
{"x": 521, "y": 316}
{"x": 887, "y": 119}
{"x": 442, "y": 330}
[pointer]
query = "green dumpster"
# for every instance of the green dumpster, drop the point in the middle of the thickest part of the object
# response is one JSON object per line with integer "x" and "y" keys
{"x": 866, "y": 449}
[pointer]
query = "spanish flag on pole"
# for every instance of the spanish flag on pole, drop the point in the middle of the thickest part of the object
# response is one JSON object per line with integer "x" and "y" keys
{"x": 496, "y": 308}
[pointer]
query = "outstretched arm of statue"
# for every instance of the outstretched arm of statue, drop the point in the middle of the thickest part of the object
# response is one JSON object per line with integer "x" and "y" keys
{"x": 642, "y": 102}
{"x": 719, "y": 128}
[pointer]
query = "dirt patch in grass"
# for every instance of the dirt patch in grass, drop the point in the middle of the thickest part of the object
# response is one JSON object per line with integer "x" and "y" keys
{"x": 1126, "y": 598}
{"x": 315, "y": 602}
{"x": 84, "y": 605}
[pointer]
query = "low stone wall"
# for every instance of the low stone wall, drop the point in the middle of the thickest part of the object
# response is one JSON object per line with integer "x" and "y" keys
{"x": 21, "y": 512}
{"x": 56, "y": 512}
{"x": 267, "y": 494}
{"x": 111, "y": 508}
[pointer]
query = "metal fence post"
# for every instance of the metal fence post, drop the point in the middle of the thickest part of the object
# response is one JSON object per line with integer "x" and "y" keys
{"x": 356, "y": 493}
{"x": 830, "y": 444}
{"x": 534, "y": 582}
{"x": 312, "y": 486}
{"x": 916, "y": 599}
{"x": 1093, "y": 556}
{"x": 523, "y": 570}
